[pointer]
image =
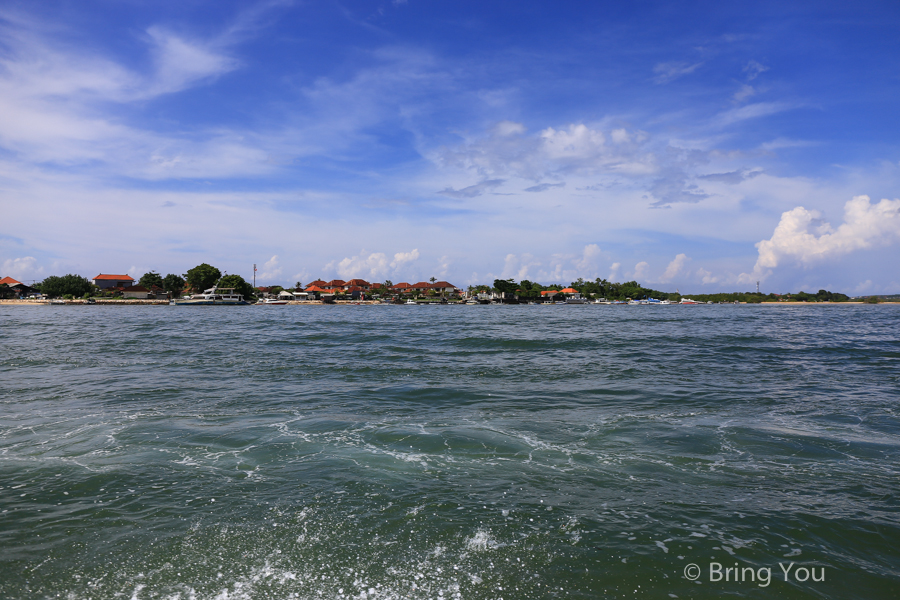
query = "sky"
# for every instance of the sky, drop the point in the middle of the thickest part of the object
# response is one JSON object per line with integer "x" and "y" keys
{"x": 691, "y": 146}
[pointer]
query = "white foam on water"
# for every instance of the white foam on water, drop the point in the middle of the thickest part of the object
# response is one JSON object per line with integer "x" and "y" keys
{"x": 481, "y": 541}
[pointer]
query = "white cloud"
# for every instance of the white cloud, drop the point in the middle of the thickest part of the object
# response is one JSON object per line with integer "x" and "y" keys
{"x": 640, "y": 270}
{"x": 669, "y": 71}
{"x": 751, "y": 111}
{"x": 270, "y": 270}
{"x": 373, "y": 266}
{"x": 745, "y": 92}
{"x": 181, "y": 63}
{"x": 864, "y": 287}
{"x": 401, "y": 259}
{"x": 22, "y": 268}
{"x": 613, "y": 271}
{"x": 576, "y": 148}
{"x": 706, "y": 276}
{"x": 675, "y": 268}
{"x": 753, "y": 69}
{"x": 803, "y": 237}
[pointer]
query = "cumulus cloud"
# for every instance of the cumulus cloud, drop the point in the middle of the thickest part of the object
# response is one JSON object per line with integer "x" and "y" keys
{"x": 373, "y": 265}
{"x": 640, "y": 270}
{"x": 706, "y": 276}
{"x": 556, "y": 268}
{"x": 270, "y": 270}
{"x": 803, "y": 237}
{"x": 670, "y": 71}
{"x": 613, "y": 271}
{"x": 22, "y": 268}
{"x": 675, "y": 268}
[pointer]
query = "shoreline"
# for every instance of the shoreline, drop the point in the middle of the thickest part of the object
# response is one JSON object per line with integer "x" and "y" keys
{"x": 137, "y": 302}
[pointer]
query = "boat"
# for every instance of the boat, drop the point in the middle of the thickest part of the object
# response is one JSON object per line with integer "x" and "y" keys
{"x": 575, "y": 299}
{"x": 58, "y": 302}
{"x": 412, "y": 302}
{"x": 472, "y": 301}
{"x": 214, "y": 296}
{"x": 665, "y": 302}
{"x": 688, "y": 301}
{"x": 272, "y": 301}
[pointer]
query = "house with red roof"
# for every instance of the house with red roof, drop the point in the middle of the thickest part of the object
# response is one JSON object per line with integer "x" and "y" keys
{"x": 362, "y": 284}
{"x": 104, "y": 282}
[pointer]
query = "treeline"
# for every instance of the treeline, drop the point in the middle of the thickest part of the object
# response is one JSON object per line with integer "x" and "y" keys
{"x": 199, "y": 278}
{"x": 601, "y": 288}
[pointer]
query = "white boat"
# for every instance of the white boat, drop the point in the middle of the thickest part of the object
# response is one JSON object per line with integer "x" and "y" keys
{"x": 272, "y": 301}
{"x": 214, "y": 296}
{"x": 576, "y": 299}
{"x": 665, "y": 302}
{"x": 412, "y": 302}
{"x": 688, "y": 301}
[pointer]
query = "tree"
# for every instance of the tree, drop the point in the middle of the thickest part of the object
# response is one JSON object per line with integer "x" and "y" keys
{"x": 74, "y": 285}
{"x": 240, "y": 286}
{"x": 173, "y": 284}
{"x": 505, "y": 286}
{"x": 298, "y": 287}
{"x": 148, "y": 280}
{"x": 203, "y": 277}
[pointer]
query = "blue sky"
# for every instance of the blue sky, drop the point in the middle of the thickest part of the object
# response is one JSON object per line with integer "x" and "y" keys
{"x": 692, "y": 146}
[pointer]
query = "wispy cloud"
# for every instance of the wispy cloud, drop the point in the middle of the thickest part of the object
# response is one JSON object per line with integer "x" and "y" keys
{"x": 543, "y": 187}
{"x": 473, "y": 191}
{"x": 670, "y": 71}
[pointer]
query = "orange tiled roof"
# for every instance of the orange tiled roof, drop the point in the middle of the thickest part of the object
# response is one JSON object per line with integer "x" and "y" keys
{"x": 115, "y": 277}
{"x": 10, "y": 281}
{"x": 570, "y": 291}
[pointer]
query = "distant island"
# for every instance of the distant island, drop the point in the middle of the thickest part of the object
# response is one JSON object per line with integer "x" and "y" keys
{"x": 153, "y": 286}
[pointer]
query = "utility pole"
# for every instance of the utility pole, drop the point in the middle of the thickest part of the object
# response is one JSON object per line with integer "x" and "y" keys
{"x": 757, "y": 287}
{"x": 254, "y": 276}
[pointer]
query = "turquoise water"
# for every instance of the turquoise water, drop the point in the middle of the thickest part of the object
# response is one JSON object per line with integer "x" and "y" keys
{"x": 447, "y": 452}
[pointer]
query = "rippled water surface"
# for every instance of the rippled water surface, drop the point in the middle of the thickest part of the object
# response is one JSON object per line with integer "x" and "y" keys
{"x": 449, "y": 452}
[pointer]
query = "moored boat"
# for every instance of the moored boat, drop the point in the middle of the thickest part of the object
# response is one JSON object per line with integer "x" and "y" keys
{"x": 214, "y": 296}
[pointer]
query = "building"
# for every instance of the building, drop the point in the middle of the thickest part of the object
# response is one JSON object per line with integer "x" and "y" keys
{"x": 137, "y": 292}
{"x": 113, "y": 281}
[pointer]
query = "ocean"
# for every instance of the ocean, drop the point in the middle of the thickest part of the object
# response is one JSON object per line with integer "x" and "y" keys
{"x": 450, "y": 452}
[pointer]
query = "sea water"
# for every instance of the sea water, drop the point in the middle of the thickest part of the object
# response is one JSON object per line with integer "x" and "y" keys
{"x": 450, "y": 452}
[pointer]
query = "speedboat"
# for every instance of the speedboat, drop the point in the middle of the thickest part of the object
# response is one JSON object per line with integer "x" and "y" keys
{"x": 412, "y": 302}
{"x": 688, "y": 301}
{"x": 272, "y": 301}
{"x": 214, "y": 296}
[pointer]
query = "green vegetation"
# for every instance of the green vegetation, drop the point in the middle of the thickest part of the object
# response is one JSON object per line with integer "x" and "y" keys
{"x": 203, "y": 277}
{"x": 872, "y": 300}
{"x": 148, "y": 280}
{"x": 72, "y": 285}
{"x": 173, "y": 284}
{"x": 240, "y": 286}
